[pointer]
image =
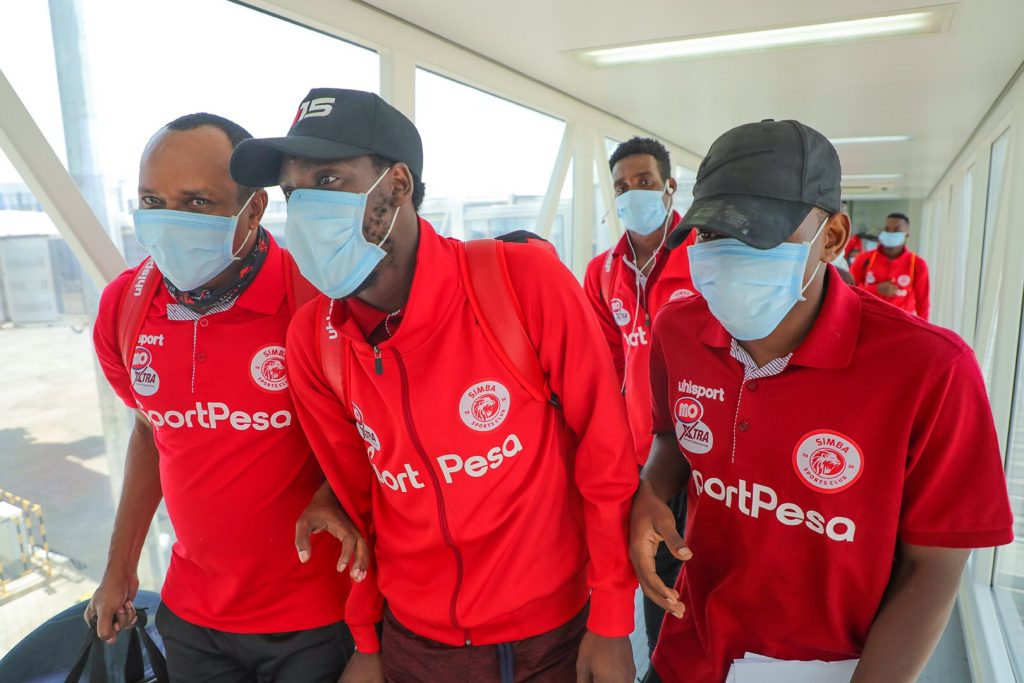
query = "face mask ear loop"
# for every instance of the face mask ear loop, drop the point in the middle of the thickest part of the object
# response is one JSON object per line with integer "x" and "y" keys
{"x": 234, "y": 254}
{"x": 390, "y": 227}
{"x": 377, "y": 181}
{"x": 817, "y": 267}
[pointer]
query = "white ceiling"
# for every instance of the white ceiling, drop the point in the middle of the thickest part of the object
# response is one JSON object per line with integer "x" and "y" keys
{"x": 935, "y": 88}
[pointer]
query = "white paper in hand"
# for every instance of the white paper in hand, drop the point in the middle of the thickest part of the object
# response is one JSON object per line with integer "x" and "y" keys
{"x": 755, "y": 668}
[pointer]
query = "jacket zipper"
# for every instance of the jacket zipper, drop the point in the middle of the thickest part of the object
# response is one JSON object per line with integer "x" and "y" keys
{"x": 441, "y": 512}
{"x": 378, "y": 363}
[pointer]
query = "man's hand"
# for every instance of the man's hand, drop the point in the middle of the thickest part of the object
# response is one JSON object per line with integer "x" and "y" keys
{"x": 363, "y": 668}
{"x": 324, "y": 513}
{"x": 605, "y": 660}
{"x": 111, "y": 607}
{"x": 652, "y": 523}
{"x": 887, "y": 288}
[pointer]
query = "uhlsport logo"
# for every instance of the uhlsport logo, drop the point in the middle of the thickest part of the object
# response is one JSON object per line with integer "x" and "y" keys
{"x": 370, "y": 437}
{"x": 619, "y": 312}
{"x": 827, "y": 461}
{"x": 484, "y": 406}
{"x": 268, "y": 370}
{"x": 145, "y": 381}
{"x": 693, "y": 435}
{"x": 681, "y": 294}
{"x": 903, "y": 280}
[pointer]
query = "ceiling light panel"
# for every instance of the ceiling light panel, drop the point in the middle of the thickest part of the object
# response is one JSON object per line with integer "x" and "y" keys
{"x": 916, "y": 22}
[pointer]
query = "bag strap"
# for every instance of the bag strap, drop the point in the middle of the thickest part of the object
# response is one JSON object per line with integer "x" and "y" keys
{"x": 333, "y": 351}
{"x": 133, "y": 308}
{"x": 913, "y": 265}
{"x": 606, "y": 278}
{"x": 157, "y": 661}
{"x": 871, "y": 261}
{"x": 91, "y": 653}
{"x": 496, "y": 307}
{"x": 298, "y": 289}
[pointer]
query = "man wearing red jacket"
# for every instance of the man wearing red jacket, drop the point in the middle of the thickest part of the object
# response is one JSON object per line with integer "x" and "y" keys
{"x": 627, "y": 285}
{"x": 821, "y": 526}
{"x": 215, "y": 433}
{"x": 497, "y": 520}
{"x": 893, "y": 272}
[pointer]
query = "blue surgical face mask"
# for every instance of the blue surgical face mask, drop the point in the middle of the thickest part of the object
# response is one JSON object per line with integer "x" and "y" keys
{"x": 190, "y": 249}
{"x": 324, "y": 230}
{"x": 869, "y": 245}
{"x": 642, "y": 211}
{"x": 750, "y": 290}
{"x": 892, "y": 239}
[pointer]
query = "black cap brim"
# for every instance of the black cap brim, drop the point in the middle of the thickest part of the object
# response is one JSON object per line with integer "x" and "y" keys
{"x": 761, "y": 222}
{"x": 257, "y": 162}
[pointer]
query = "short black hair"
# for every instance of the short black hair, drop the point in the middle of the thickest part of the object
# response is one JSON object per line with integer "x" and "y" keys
{"x": 234, "y": 132}
{"x": 639, "y": 145}
{"x": 901, "y": 216}
{"x": 419, "y": 190}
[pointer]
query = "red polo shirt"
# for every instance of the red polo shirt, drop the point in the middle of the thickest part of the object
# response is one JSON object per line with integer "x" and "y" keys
{"x": 235, "y": 468}
{"x": 626, "y": 317}
{"x": 908, "y": 272}
{"x": 801, "y": 489}
{"x": 493, "y": 516}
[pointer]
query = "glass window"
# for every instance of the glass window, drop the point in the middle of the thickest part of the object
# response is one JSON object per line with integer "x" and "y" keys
{"x": 62, "y": 431}
{"x": 487, "y": 162}
{"x": 137, "y": 80}
{"x": 1008, "y": 579}
{"x": 962, "y": 249}
{"x": 996, "y": 169}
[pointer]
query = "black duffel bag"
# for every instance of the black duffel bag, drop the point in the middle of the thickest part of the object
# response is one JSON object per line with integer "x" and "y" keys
{"x": 66, "y": 650}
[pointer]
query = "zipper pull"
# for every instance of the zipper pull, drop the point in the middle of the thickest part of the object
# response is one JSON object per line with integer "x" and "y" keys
{"x": 378, "y": 363}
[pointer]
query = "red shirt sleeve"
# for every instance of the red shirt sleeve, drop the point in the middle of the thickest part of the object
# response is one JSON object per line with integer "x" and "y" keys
{"x": 336, "y": 442}
{"x": 922, "y": 289}
{"x": 563, "y": 325}
{"x": 954, "y": 492}
{"x": 106, "y": 343}
{"x": 661, "y": 411}
{"x": 610, "y": 330}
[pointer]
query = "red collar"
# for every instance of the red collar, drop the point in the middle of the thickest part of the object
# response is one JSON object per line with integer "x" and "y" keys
{"x": 435, "y": 284}
{"x": 833, "y": 337}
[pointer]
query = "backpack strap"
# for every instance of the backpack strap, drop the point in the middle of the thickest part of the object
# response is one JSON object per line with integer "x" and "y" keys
{"x": 606, "y": 278}
{"x": 913, "y": 264}
{"x": 133, "y": 308}
{"x": 496, "y": 307}
{"x": 298, "y": 289}
{"x": 333, "y": 351}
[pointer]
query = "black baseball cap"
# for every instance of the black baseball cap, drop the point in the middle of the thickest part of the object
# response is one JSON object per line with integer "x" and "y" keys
{"x": 332, "y": 124}
{"x": 760, "y": 180}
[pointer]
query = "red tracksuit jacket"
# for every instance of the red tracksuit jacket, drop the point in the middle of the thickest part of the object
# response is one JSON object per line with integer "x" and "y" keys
{"x": 493, "y": 516}
{"x": 627, "y": 316}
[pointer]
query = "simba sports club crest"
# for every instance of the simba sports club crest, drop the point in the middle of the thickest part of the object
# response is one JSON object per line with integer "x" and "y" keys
{"x": 483, "y": 408}
{"x": 825, "y": 461}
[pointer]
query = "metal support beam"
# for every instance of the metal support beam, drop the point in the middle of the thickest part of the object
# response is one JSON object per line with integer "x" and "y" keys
{"x": 398, "y": 81}
{"x": 41, "y": 169}
{"x": 583, "y": 199}
{"x": 549, "y": 207}
{"x": 604, "y": 181}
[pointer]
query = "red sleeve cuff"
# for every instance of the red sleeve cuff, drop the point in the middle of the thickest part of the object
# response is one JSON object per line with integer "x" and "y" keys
{"x": 365, "y": 637}
{"x": 611, "y": 614}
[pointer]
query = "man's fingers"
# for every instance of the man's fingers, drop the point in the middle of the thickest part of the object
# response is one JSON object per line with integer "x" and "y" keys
{"x": 348, "y": 546}
{"x": 360, "y": 561}
{"x": 105, "y": 627}
{"x": 664, "y": 597}
{"x": 675, "y": 542}
{"x": 130, "y": 614}
{"x": 302, "y": 532}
